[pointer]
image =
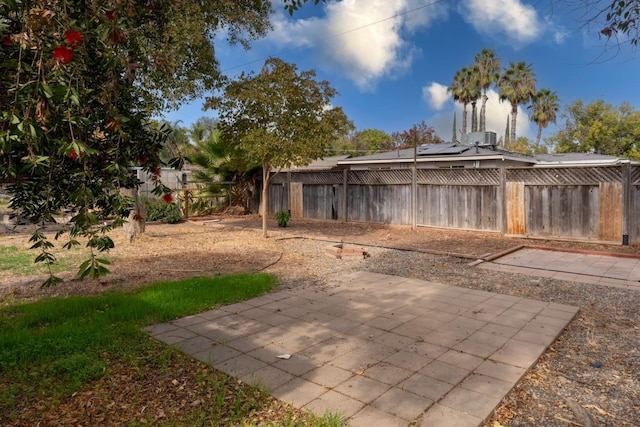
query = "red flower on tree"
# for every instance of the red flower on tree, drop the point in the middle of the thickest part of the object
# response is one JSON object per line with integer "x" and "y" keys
{"x": 111, "y": 15}
{"x": 6, "y": 40}
{"x": 73, "y": 154}
{"x": 112, "y": 124}
{"x": 73, "y": 37}
{"x": 63, "y": 54}
{"x": 167, "y": 198}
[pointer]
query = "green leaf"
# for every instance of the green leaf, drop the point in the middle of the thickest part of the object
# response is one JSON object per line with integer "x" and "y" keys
{"x": 46, "y": 89}
{"x": 51, "y": 281}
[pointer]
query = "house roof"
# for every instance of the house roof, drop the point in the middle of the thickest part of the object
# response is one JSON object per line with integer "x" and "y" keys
{"x": 452, "y": 152}
{"x": 445, "y": 152}
{"x": 582, "y": 159}
{"x": 326, "y": 163}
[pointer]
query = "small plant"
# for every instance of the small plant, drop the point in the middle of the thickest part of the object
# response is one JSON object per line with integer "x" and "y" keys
{"x": 283, "y": 216}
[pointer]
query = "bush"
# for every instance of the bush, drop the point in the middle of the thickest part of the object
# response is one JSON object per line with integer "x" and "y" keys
{"x": 158, "y": 210}
{"x": 283, "y": 217}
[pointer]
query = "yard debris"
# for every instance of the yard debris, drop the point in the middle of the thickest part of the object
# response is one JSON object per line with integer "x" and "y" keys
{"x": 343, "y": 251}
{"x": 285, "y": 356}
{"x": 581, "y": 414}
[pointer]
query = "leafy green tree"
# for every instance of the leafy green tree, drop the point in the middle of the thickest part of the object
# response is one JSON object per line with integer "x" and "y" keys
{"x": 79, "y": 83}
{"x": 464, "y": 89}
{"x": 279, "y": 117}
{"x": 517, "y": 85}
{"x": 365, "y": 142}
{"x": 524, "y": 145}
{"x": 488, "y": 71}
{"x": 544, "y": 109}
{"x": 599, "y": 127}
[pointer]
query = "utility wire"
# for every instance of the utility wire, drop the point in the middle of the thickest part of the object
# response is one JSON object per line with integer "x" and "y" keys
{"x": 336, "y": 35}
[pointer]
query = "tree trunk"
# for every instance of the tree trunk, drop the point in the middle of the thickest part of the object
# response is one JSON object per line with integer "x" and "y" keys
{"x": 538, "y": 136}
{"x": 464, "y": 122}
{"x": 265, "y": 194}
{"x": 514, "y": 115}
{"x": 474, "y": 117}
{"x": 483, "y": 113}
{"x": 135, "y": 223}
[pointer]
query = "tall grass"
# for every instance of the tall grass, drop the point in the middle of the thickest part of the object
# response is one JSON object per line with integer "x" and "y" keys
{"x": 59, "y": 344}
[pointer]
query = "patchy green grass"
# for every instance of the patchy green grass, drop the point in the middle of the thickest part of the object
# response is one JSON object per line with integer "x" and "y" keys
{"x": 56, "y": 350}
{"x": 20, "y": 261}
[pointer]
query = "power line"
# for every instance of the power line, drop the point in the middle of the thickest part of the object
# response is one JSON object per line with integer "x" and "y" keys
{"x": 331, "y": 36}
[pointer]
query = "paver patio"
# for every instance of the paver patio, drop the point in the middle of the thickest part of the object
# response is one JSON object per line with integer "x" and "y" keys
{"x": 380, "y": 350}
{"x": 621, "y": 271}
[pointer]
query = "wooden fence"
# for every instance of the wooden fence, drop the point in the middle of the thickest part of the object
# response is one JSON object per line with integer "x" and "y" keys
{"x": 583, "y": 203}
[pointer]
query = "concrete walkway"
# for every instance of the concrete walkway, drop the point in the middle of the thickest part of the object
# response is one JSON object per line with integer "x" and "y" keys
{"x": 380, "y": 350}
{"x": 597, "y": 268}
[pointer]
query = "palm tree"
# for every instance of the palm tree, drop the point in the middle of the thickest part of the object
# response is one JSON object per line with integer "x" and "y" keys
{"x": 219, "y": 161}
{"x": 488, "y": 73}
{"x": 464, "y": 90}
{"x": 517, "y": 85}
{"x": 544, "y": 108}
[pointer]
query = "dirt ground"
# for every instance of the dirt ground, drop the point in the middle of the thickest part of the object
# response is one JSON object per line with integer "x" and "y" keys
{"x": 221, "y": 245}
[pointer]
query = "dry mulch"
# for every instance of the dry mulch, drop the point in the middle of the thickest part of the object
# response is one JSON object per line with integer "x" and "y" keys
{"x": 592, "y": 370}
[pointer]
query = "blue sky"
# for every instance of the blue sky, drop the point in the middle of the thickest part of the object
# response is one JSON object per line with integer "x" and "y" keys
{"x": 391, "y": 60}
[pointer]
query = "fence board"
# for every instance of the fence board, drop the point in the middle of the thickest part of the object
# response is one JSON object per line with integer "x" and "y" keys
{"x": 458, "y": 206}
{"x": 296, "y": 201}
{"x": 383, "y": 204}
{"x": 322, "y": 201}
{"x": 610, "y": 224}
{"x": 514, "y": 193}
{"x": 634, "y": 229}
{"x": 278, "y": 198}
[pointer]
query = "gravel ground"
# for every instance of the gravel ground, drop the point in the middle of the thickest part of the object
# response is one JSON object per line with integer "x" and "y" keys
{"x": 594, "y": 366}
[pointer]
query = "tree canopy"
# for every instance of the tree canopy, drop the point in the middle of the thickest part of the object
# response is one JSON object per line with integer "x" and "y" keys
{"x": 78, "y": 85}
{"x": 279, "y": 117}
{"x": 418, "y": 134}
{"x": 600, "y": 128}
{"x": 517, "y": 86}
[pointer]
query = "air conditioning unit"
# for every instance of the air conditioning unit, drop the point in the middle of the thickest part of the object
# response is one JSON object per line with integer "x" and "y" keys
{"x": 482, "y": 139}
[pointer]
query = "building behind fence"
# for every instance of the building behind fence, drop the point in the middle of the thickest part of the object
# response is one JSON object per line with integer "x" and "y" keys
{"x": 600, "y": 203}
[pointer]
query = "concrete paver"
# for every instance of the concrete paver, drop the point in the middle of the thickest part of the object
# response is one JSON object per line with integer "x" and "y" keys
{"x": 378, "y": 350}
{"x": 597, "y": 269}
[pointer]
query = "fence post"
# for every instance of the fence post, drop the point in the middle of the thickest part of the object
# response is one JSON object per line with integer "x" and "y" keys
{"x": 345, "y": 198}
{"x": 626, "y": 202}
{"x": 502, "y": 201}
{"x": 186, "y": 204}
{"x": 414, "y": 188}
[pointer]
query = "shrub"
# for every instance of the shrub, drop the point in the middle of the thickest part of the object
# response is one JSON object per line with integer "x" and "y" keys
{"x": 158, "y": 210}
{"x": 283, "y": 217}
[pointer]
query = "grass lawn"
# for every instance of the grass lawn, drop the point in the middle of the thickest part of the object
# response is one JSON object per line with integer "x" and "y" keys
{"x": 20, "y": 261}
{"x": 67, "y": 358}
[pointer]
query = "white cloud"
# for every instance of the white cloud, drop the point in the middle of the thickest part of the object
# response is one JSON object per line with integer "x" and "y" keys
{"x": 497, "y": 114}
{"x": 435, "y": 95}
{"x": 508, "y": 19}
{"x": 363, "y": 40}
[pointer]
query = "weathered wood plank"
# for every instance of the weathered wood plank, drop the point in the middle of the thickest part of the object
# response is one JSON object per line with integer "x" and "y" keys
{"x": 610, "y": 224}
{"x": 515, "y": 208}
{"x": 296, "y": 200}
